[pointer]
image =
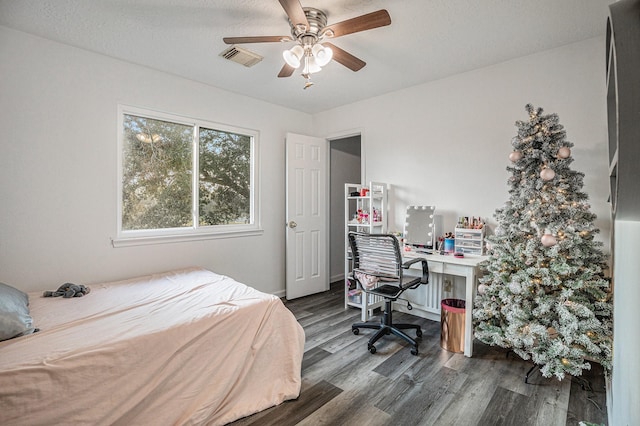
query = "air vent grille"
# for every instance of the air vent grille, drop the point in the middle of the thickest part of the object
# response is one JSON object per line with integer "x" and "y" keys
{"x": 241, "y": 56}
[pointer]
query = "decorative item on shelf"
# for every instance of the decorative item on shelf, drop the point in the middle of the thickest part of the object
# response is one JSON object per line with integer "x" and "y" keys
{"x": 364, "y": 192}
{"x": 374, "y": 215}
{"x": 355, "y": 295}
{"x": 362, "y": 217}
{"x": 474, "y": 223}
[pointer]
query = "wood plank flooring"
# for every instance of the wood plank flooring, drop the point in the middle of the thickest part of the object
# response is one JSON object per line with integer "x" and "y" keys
{"x": 343, "y": 384}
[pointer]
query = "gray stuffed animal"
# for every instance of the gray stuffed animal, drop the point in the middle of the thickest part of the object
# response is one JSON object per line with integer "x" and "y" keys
{"x": 67, "y": 290}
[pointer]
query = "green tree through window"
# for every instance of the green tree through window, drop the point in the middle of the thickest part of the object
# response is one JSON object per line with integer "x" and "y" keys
{"x": 156, "y": 174}
{"x": 224, "y": 177}
{"x": 160, "y": 159}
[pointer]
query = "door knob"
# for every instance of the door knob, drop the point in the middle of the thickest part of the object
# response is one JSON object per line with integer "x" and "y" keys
{"x": 292, "y": 224}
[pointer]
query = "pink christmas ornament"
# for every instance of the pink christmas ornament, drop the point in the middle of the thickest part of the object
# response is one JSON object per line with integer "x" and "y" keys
{"x": 548, "y": 240}
{"x": 564, "y": 152}
{"x": 547, "y": 174}
{"x": 515, "y": 156}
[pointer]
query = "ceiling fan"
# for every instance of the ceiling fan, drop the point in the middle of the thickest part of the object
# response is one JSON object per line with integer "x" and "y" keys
{"x": 309, "y": 30}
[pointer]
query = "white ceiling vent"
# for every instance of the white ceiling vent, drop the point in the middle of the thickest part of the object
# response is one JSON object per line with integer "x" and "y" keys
{"x": 241, "y": 56}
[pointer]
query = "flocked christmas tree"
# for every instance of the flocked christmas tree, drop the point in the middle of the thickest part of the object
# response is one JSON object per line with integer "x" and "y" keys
{"x": 544, "y": 294}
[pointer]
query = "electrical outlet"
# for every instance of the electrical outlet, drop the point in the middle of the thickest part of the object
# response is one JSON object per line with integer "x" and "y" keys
{"x": 447, "y": 285}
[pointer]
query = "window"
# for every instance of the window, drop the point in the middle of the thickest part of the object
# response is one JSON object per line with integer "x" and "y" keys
{"x": 183, "y": 178}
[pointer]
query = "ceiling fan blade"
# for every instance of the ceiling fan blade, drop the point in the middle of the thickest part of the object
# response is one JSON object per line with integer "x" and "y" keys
{"x": 294, "y": 11}
{"x": 369, "y": 21}
{"x": 286, "y": 71}
{"x": 345, "y": 58}
{"x": 256, "y": 39}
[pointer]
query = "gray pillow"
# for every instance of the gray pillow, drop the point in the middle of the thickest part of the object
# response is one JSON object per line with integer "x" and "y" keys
{"x": 15, "y": 319}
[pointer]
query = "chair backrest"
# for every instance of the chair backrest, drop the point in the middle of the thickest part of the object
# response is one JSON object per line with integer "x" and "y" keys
{"x": 376, "y": 254}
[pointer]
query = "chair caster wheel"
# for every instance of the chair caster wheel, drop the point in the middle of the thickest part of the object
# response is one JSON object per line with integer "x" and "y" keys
{"x": 356, "y": 331}
{"x": 419, "y": 333}
{"x": 372, "y": 349}
{"x": 414, "y": 352}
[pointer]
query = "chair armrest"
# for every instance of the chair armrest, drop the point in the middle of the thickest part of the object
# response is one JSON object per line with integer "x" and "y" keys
{"x": 425, "y": 268}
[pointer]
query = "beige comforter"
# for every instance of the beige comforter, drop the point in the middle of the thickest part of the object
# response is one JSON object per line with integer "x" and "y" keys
{"x": 185, "y": 347}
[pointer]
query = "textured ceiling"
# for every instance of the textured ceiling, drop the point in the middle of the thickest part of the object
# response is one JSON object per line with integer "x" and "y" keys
{"x": 427, "y": 39}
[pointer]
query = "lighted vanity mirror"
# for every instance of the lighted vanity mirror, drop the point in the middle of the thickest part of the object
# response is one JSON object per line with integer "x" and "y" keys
{"x": 419, "y": 227}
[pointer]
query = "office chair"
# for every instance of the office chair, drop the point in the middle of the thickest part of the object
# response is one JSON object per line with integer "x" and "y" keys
{"x": 377, "y": 270}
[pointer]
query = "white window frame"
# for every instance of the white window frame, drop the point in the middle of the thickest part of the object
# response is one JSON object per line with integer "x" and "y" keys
{"x": 196, "y": 232}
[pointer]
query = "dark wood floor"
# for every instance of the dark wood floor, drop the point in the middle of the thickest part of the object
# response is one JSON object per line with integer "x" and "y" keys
{"x": 343, "y": 384}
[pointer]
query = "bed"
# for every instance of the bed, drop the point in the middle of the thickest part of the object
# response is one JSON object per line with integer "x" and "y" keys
{"x": 183, "y": 347}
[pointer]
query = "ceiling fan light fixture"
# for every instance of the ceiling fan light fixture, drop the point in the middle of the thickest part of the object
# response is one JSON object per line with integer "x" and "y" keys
{"x": 322, "y": 54}
{"x": 310, "y": 65}
{"x": 308, "y": 28}
{"x": 293, "y": 56}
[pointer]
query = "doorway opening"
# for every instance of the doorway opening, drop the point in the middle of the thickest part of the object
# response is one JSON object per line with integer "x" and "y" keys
{"x": 345, "y": 166}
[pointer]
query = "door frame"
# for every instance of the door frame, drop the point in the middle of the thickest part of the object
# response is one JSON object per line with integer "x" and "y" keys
{"x": 345, "y": 134}
{"x": 338, "y": 176}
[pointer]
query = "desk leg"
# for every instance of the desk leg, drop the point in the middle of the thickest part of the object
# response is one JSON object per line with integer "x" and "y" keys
{"x": 470, "y": 290}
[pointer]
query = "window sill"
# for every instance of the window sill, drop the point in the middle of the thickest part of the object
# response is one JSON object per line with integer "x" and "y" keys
{"x": 165, "y": 239}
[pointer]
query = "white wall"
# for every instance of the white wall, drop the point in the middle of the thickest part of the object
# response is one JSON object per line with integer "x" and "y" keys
{"x": 58, "y": 152}
{"x": 446, "y": 142}
{"x": 625, "y": 401}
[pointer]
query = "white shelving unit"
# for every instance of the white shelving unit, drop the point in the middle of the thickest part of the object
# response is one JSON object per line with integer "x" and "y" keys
{"x": 363, "y": 213}
{"x": 469, "y": 241}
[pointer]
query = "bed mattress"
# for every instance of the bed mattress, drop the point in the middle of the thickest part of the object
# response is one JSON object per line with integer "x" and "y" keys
{"x": 183, "y": 347}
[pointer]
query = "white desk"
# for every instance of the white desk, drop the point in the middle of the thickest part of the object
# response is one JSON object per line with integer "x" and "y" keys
{"x": 466, "y": 267}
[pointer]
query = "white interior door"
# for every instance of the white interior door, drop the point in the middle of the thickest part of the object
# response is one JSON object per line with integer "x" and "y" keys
{"x": 307, "y": 207}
